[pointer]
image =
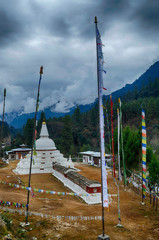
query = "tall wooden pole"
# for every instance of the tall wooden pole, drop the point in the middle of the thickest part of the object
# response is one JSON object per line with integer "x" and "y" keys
{"x": 122, "y": 144}
{"x": 142, "y": 187}
{"x": 100, "y": 138}
{"x": 142, "y": 192}
{"x": 33, "y": 139}
{"x": 3, "y": 117}
{"x": 104, "y": 190}
{"x": 119, "y": 174}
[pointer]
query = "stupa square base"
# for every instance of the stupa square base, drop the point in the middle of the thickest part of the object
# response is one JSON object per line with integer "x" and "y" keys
{"x": 101, "y": 237}
{"x": 119, "y": 225}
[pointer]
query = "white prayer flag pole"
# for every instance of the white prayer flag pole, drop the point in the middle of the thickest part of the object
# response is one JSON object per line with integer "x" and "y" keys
{"x": 100, "y": 70}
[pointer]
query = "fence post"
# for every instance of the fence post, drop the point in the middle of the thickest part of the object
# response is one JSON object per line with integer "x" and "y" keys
{"x": 153, "y": 200}
{"x": 150, "y": 195}
{"x": 156, "y": 203}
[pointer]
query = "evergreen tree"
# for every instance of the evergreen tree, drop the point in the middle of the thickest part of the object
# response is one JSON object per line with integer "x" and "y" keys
{"x": 154, "y": 170}
{"x": 6, "y": 130}
{"x": 18, "y": 140}
{"x": 76, "y": 117}
{"x": 151, "y": 108}
{"x": 85, "y": 147}
{"x": 28, "y": 132}
{"x": 66, "y": 136}
{"x": 149, "y": 154}
{"x": 132, "y": 147}
{"x": 135, "y": 92}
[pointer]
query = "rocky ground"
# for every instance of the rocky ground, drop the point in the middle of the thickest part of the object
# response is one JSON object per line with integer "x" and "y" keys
{"x": 141, "y": 222}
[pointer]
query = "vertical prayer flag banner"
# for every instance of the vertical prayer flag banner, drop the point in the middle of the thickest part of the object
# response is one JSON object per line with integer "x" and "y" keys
{"x": 100, "y": 62}
{"x": 119, "y": 173}
{"x": 34, "y": 146}
{"x": 112, "y": 136}
{"x": 125, "y": 180}
{"x": 108, "y": 128}
{"x": 143, "y": 154}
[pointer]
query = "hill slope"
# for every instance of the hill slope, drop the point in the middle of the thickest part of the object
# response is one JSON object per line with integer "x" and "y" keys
{"x": 150, "y": 75}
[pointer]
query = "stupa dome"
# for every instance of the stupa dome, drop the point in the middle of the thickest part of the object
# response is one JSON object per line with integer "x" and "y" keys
{"x": 44, "y": 142}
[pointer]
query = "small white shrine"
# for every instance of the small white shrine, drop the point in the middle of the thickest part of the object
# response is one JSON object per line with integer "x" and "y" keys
{"x": 46, "y": 155}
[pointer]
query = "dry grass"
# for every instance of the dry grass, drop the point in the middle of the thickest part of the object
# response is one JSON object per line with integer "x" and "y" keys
{"x": 140, "y": 222}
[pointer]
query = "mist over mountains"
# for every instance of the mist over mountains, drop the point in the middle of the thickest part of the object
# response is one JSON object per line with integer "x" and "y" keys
{"x": 18, "y": 119}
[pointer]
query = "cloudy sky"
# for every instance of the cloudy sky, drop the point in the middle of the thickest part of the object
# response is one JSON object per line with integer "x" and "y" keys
{"x": 60, "y": 35}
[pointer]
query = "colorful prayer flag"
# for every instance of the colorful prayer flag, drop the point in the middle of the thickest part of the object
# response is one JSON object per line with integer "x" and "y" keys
{"x": 34, "y": 147}
{"x": 143, "y": 154}
{"x": 32, "y": 192}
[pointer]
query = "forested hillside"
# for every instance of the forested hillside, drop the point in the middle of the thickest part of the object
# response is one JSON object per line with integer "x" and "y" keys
{"x": 80, "y": 131}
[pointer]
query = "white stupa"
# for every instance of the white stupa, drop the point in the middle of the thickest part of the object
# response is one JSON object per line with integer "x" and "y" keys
{"x": 46, "y": 155}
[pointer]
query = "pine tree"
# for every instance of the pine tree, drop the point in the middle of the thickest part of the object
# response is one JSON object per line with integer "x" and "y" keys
{"x": 28, "y": 132}
{"x": 154, "y": 170}
{"x": 66, "y": 136}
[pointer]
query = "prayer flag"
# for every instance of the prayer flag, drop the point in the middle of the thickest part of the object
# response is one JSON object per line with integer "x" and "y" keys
{"x": 101, "y": 119}
{"x": 143, "y": 154}
{"x": 34, "y": 147}
{"x": 112, "y": 136}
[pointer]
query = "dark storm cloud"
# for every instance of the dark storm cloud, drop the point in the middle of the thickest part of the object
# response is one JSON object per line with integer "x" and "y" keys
{"x": 106, "y": 12}
{"x": 60, "y": 34}
{"x": 74, "y": 18}
{"x": 147, "y": 15}
{"x": 9, "y": 27}
{"x": 14, "y": 21}
{"x": 64, "y": 20}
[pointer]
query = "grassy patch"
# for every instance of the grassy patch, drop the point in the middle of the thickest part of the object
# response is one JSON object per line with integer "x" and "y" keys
{"x": 6, "y": 218}
{"x": 3, "y": 231}
{"x": 2, "y": 164}
{"x": 21, "y": 234}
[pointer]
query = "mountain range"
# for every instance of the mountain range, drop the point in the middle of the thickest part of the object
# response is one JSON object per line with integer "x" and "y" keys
{"x": 17, "y": 119}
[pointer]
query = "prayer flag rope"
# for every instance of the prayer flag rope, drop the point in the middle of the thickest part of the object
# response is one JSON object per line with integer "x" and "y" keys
{"x": 46, "y": 191}
{"x": 61, "y": 217}
{"x": 17, "y": 205}
{"x": 51, "y": 192}
{"x": 143, "y": 154}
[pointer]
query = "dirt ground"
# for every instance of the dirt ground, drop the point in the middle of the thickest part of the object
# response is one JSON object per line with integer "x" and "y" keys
{"x": 141, "y": 222}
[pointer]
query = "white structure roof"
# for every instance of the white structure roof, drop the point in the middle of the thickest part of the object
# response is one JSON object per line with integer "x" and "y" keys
{"x": 18, "y": 150}
{"x": 94, "y": 154}
{"x": 23, "y": 145}
{"x": 44, "y": 142}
